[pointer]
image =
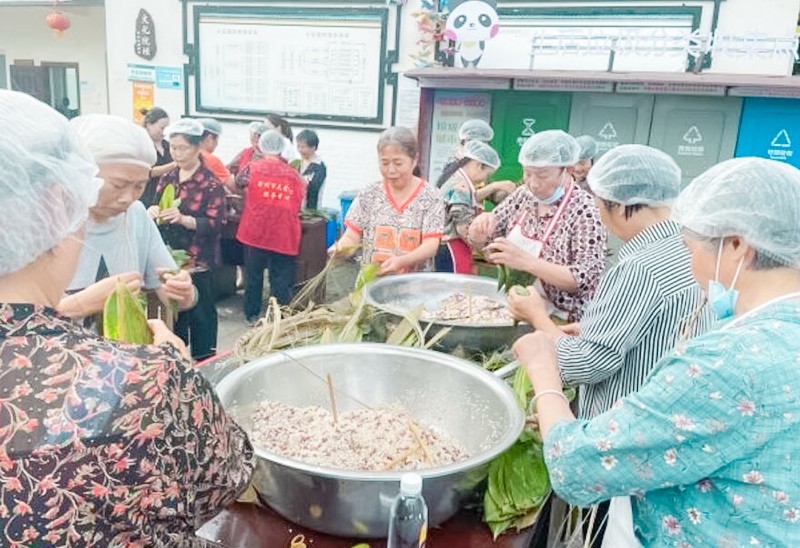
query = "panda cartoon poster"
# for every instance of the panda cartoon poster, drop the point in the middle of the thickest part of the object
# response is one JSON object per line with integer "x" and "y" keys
{"x": 471, "y": 24}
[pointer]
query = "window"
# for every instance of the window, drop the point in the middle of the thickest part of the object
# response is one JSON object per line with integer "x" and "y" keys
{"x": 56, "y": 84}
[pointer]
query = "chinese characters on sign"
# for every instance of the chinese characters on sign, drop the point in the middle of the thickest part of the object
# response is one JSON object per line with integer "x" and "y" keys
{"x": 145, "y": 45}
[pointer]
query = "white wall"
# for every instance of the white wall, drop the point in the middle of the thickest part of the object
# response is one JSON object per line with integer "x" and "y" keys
{"x": 120, "y": 26}
{"x": 25, "y": 35}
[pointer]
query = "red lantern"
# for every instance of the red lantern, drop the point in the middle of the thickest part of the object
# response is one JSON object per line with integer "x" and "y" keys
{"x": 58, "y": 21}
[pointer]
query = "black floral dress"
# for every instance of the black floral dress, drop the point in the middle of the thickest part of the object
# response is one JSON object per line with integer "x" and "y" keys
{"x": 106, "y": 444}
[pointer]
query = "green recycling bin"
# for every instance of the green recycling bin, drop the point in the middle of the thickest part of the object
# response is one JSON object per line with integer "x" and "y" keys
{"x": 516, "y": 115}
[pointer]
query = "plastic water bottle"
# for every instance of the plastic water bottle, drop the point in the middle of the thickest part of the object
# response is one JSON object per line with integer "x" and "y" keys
{"x": 408, "y": 520}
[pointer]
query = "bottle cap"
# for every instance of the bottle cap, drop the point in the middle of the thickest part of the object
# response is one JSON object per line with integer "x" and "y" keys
{"x": 410, "y": 484}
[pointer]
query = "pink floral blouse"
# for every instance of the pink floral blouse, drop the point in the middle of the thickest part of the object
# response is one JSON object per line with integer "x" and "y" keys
{"x": 106, "y": 444}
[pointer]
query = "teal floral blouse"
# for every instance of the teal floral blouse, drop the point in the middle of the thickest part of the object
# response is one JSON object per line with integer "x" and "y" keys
{"x": 709, "y": 447}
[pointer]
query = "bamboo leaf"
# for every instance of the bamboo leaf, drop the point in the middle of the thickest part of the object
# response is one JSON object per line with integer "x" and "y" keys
{"x": 124, "y": 319}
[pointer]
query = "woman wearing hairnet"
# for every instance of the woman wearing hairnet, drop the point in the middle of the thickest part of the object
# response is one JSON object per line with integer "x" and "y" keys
{"x": 549, "y": 227}
{"x": 103, "y": 444}
{"x": 462, "y": 204}
{"x": 247, "y": 155}
{"x": 642, "y": 301}
{"x": 270, "y": 229}
{"x": 708, "y": 445}
{"x": 121, "y": 240}
{"x": 586, "y": 159}
{"x": 194, "y": 226}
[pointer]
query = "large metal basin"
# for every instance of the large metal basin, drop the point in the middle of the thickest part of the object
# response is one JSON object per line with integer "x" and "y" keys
{"x": 396, "y": 295}
{"x": 475, "y": 408}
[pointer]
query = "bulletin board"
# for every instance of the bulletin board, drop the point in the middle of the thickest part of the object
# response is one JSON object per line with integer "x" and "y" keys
{"x": 331, "y": 62}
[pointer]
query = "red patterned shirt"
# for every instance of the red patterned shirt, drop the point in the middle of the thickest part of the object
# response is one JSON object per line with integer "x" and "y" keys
{"x": 107, "y": 444}
{"x": 203, "y": 197}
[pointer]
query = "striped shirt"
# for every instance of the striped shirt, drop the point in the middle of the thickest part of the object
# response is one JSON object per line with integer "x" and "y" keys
{"x": 635, "y": 318}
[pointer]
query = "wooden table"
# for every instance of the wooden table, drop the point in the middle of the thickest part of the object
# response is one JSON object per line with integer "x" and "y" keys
{"x": 251, "y": 526}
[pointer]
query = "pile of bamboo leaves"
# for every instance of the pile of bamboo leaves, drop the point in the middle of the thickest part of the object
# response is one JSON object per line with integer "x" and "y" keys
{"x": 345, "y": 321}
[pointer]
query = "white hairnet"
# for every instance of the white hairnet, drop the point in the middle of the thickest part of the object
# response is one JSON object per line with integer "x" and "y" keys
{"x": 211, "y": 125}
{"x": 483, "y": 153}
{"x": 636, "y": 174}
{"x": 588, "y": 147}
{"x": 257, "y": 127}
{"x": 111, "y": 139}
{"x": 754, "y": 198}
{"x": 549, "y": 148}
{"x": 476, "y": 130}
{"x": 185, "y": 126}
{"x": 47, "y": 182}
{"x": 271, "y": 142}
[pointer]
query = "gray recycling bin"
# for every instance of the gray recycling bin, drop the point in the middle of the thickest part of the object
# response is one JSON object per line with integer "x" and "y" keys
{"x": 697, "y": 131}
{"x": 612, "y": 119}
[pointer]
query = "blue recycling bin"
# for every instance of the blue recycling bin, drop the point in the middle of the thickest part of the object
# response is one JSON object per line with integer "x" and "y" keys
{"x": 345, "y": 201}
{"x": 770, "y": 128}
{"x": 332, "y": 226}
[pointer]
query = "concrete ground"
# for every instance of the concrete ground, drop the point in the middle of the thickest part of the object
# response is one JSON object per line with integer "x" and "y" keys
{"x": 232, "y": 325}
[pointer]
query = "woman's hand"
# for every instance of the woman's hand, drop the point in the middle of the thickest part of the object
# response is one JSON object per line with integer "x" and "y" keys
{"x": 502, "y": 251}
{"x": 92, "y": 300}
{"x": 537, "y": 352}
{"x": 527, "y": 307}
{"x": 394, "y": 265}
{"x": 502, "y": 186}
{"x": 162, "y": 335}
{"x": 480, "y": 228}
{"x": 153, "y": 212}
{"x": 177, "y": 287}
{"x": 571, "y": 329}
{"x": 171, "y": 216}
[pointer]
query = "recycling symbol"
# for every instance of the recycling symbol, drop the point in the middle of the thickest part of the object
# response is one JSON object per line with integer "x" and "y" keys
{"x": 528, "y": 130}
{"x": 693, "y": 135}
{"x": 608, "y": 132}
{"x": 782, "y": 139}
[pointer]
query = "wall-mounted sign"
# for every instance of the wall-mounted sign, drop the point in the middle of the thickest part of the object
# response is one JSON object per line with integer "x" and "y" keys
{"x": 169, "y": 77}
{"x": 145, "y": 45}
{"x": 670, "y": 88}
{"x": 141, "y": 73}
{"x": 563, "y": 84}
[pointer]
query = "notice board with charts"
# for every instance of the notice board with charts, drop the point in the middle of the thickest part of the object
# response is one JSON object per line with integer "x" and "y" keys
{"x": 302, "y": 63}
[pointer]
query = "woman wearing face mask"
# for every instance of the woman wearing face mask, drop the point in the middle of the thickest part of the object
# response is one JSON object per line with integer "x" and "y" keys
{"x": 249, "y": 154}
{"x": 461, "y": 202}
{"x": 102, "y": 443}
{"x": 155, "y": 120}
{"x": 121, "y": 241}
{"x": 549, "y": 227}
{"x": 708, "y": 444}
{"x": 194, "y": 226}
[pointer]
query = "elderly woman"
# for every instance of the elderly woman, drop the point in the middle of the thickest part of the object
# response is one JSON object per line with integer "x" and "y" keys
{"x": 462, "y": 203}
{"x": 707, "y": 445}
{"x": 195, "y": 227}
{"x": 549, "y": 227}
{"x": 103, "y": 444}
{"x": 398, "y": 221}
{"x": 270, "y": 228}
{"x": 586, "y": 158}
{"x": 121, "y": 241}
{"x": 247, "y": 155}
{"x": 155, "y": 120}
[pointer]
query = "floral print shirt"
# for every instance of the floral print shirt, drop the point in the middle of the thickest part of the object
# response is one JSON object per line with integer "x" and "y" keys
{"x": 578, "y": 242}
{"x": 106, "y": 444}
{"x": 709, "y": 447}
{"x": 390, "y": 229}
{"x": 203, "y": 197}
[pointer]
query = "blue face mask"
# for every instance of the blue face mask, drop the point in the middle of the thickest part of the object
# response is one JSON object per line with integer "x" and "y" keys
{"x": 721, "y": 299}
{"x": 558, "y": 193}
